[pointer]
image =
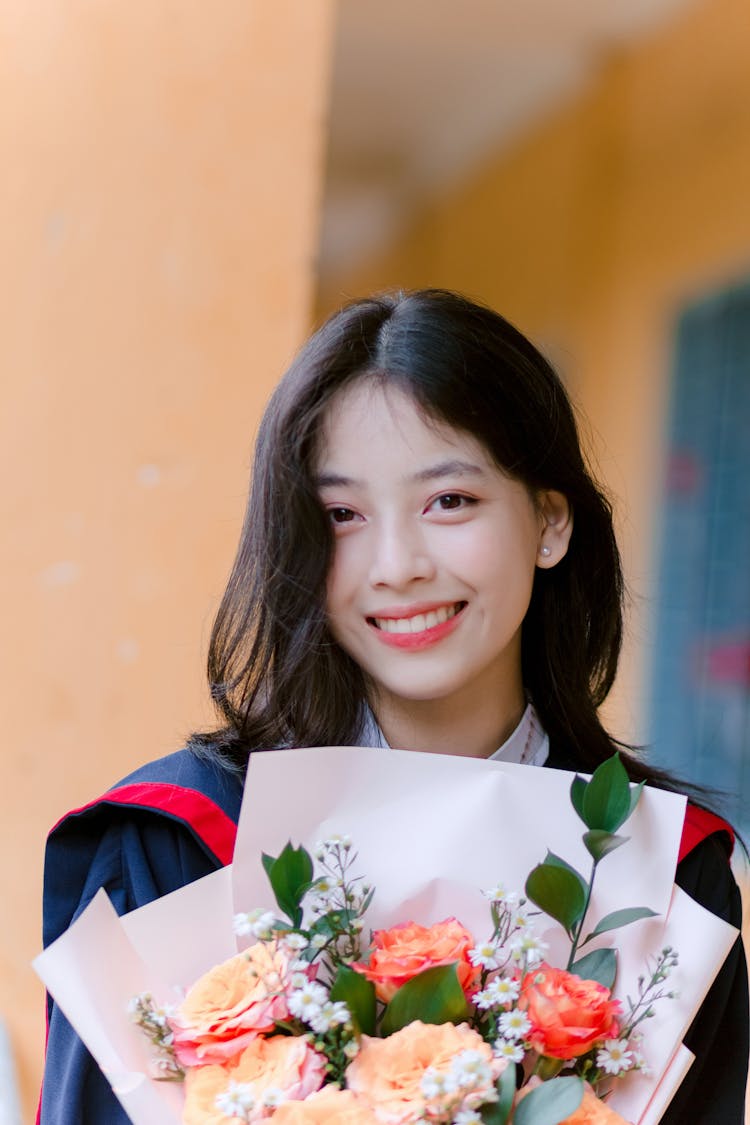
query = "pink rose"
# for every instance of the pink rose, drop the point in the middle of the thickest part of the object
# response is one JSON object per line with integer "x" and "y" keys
{"x": 230, "y": 1005}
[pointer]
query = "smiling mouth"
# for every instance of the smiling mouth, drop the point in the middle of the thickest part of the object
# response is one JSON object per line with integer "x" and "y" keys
{"x": 420, "y": 623}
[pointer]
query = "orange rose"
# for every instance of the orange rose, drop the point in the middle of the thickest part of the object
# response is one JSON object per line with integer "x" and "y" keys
{"x": 330, "y": 1106}
{"x": 231, "y": 1004}
{"x": 280, "y": 1062}
{"x": 404, "y": 951}
{"x": 590, "y": 1112}
{"x": 568, "y": 1015}
{"x": 387, "y": 1073}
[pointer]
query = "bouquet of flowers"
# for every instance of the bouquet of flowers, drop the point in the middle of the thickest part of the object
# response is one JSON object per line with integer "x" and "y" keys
{"x": 423, "y": 1001}
{"x": 311, "y": 1023}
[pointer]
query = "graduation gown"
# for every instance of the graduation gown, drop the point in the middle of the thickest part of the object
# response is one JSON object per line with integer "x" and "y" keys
{"x": 173, "y": 821}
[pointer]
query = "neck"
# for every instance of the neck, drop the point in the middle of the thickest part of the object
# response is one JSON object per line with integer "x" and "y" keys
{"x": 472, "y": 729}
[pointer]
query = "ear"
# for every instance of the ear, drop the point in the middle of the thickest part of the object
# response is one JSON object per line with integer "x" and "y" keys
{"x": 555, "y": 528}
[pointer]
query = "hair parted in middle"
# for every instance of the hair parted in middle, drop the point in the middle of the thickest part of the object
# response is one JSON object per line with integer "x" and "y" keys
{"x": 277, "y": 676}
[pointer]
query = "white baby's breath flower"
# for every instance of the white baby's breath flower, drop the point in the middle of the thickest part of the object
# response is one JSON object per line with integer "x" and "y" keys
{"x": 470, "y": 1069}
{"x": 256, "y": 923}
{"x": 237, "y": 1101}
{"x": 295, "y": 942}
{"x": 351, "y": 1049}
{"x": 317, "y": 941}
{"x": 514, "y": 1024}
{"x": 298, "y": 979}
{"x": 435, "y": 1084}
{"x": 273, "y": 1097}
{"x": 498, "y": 893}
{"x": 467, "y": 1117}
{"x": 614, "y": 1057}
{"x": 528, "y": 948}
{"x": 305, "y": 1003}
{"x": 331, "y": 1014}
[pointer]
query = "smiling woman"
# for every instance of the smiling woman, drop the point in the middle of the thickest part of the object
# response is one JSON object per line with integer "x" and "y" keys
{"x": 426, "y": 562}
{"x": 435, "y": 550}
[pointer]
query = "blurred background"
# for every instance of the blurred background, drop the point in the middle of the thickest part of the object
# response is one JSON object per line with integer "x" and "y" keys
{"x": 185, "y": 193}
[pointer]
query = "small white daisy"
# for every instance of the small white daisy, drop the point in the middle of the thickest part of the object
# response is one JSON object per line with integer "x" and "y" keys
{"x": 614, "y": 1057}
{"x": 514, "y": 1024}
{"x": 487, "y": 955}
{"x": 508, "y": 1049}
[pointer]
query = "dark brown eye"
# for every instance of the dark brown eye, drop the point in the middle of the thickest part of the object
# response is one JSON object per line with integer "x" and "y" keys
{"x": 341, "y": 515}
{"x": 450, "y": 501}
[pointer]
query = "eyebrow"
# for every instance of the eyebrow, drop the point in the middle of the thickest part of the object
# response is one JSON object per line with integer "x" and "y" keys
{"x": 451, "y": 468}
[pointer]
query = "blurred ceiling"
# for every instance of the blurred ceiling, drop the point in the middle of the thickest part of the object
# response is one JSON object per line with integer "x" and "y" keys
{"x": 423, "y": 90}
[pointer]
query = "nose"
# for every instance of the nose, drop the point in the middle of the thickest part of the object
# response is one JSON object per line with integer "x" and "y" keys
{"x": 400, "y": 556}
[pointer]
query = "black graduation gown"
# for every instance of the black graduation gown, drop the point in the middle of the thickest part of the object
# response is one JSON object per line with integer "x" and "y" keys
{"x": 146, "y": 838}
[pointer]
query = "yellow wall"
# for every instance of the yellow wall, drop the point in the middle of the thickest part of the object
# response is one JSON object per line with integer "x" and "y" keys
{"x": 589, "y": 233}
{"x": 160, "y": 196}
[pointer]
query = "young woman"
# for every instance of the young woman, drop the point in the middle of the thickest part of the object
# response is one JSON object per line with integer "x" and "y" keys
{"x": 426, "y": 563}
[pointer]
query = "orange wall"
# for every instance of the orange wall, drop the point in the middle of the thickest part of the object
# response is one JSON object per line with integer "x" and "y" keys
{"x": 589, "y": 233}
{"x": 161, "y": 183}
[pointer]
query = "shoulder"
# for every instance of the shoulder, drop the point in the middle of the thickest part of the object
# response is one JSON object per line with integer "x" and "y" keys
{"x": 169, "y": 822}
{"x": 182, "y": 788}
{"x": 703, "y": 869}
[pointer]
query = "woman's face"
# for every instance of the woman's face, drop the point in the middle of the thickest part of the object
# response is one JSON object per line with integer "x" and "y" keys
{"x": 435, "y": 551}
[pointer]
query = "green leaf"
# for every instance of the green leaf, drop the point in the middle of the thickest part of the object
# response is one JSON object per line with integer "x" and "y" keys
{"x": 599, "y": 965}
{"x": 289, "y": 875}
{"x": 606, "y": 802}
{"x": 577, "y": 792}
{"x": 600, "y": 843}
{"x": 635, "y": 795}
{"x": 619, "y": 918}
{"x": 433, "y": 996}
{"x": 358, "y": 993}
{"x": 557, "y": 861}
{"x": 497, "y": 1113}
{"x": 550, "y": 1103}
{"x": 559, "y": 891}
{"x": 267, "y": 861}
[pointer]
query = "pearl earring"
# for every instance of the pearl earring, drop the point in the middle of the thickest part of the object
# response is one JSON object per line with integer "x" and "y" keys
{"x": 546, "y": 552}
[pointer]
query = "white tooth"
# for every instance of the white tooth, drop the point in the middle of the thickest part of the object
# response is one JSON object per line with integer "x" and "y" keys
{"x": 417, "y": 624}
{"x": 401, "y": 625}
{"x": 432, "y": 619}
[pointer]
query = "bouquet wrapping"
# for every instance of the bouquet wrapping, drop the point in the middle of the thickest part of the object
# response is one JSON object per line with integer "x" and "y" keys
{"x": 431, "y": 832}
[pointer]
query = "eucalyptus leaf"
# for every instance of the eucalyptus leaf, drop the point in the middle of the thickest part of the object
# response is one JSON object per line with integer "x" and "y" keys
{"x": 606, "y": 802}
{"x": 290, "y": 875}
{"x": 433, "y": 996}
{"x": 358, "y": 993}
{"x": 550, "y": 1103}
{"x": 498, "y": 1113}
{"x": 598, "y": 843}
{"x": 599, "y": 965}
{"x": 558, "y": 891}
{"x": 619, "y": 918}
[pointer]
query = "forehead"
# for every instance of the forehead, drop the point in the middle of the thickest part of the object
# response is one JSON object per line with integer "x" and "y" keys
{"x": 369, "y": 422}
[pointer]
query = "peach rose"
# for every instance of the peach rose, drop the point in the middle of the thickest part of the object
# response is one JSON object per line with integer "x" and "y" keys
{"x": 330, "y": 1106}
{"x": 568, "y": 1015}
{"x": 591, "y": 1111}
{"x": 387, "y": 1073}
{"x": 281, "y": 1062}
{"x": 231, "y": 1004}
{"x": 404, "y": 951}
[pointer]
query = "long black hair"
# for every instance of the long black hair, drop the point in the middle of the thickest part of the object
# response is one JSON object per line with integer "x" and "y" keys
{"x": 276, "y": 674}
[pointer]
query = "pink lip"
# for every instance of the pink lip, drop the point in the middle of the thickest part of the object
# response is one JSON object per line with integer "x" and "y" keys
{"x": 421, "y": 640}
